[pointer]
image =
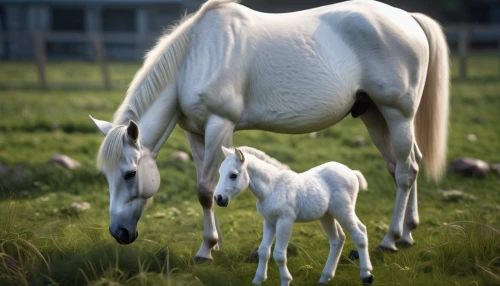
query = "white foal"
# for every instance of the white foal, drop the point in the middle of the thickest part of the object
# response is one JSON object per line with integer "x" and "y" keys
{"x": 327, "y": 193}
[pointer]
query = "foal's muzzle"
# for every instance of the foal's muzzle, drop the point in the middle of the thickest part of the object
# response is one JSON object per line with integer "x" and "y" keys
{"x": 221, "y": 202}
{"x": 122, "y": 235}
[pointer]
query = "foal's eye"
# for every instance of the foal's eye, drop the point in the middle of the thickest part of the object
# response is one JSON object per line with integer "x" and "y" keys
{"x": 130, "y": 175}
{"x": 233, "y": 176}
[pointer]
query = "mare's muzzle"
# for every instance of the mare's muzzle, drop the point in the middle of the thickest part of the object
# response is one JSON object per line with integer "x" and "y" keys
{"x": 123, "y": 235}
{"x": 221, "y": 202}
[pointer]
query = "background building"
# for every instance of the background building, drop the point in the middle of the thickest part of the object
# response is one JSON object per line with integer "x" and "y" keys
{"x": 137, "y": 23}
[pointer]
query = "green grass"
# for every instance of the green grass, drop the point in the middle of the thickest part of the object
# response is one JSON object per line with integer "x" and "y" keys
{"x": 43, "y": 241}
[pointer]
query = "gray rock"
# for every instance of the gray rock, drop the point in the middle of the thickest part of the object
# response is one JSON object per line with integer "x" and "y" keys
{"x": 469, "y": 167}
{"x": 181, "y": 156}
{"x": 359, "y": 141}
{"x": 65, "y": 161}
{"x": 495, "y": 168}
{"x": 456, "y": 195}
{"x": 472, "y": 137}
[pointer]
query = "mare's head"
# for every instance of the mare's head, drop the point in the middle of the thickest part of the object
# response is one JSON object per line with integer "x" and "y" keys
{"x": 132, "y": 176}
{"x": 233, "y": 177}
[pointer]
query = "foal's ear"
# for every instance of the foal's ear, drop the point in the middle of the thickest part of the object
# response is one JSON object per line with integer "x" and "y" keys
{"x": 227, "y": 151}
{"x": 133, "y": 131}
{"x": 102, "y": 125}
{"x": 240, "y": 155}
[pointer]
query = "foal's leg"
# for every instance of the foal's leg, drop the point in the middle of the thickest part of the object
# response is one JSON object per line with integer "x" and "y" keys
{"x": 218, "y": 132}
{"x": 264, "y": 252}
{"x": 400, "y": 123}
{"x": 336, "y": 238}
{"x": 357, "y": 230}
{"x": 283, "y": 233}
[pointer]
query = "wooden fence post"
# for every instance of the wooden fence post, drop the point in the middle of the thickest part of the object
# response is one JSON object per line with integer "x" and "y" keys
{"x": 101, "y": 59}
{"x": 463, "y": 50}
{"x": 41, "y": 59}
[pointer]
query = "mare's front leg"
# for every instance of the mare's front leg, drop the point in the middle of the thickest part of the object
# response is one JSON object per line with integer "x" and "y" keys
{"x": 218, "y": 132}
{"x": 283, "y": 232}
{"x": 264, "y": 252}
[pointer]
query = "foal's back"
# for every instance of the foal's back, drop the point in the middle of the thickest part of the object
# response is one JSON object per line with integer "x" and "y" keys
{"x": 314, "y": 193}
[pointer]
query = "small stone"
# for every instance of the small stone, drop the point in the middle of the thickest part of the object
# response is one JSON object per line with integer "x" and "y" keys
{"x": 456, "y": 195}
{"x": 159, "y": 215}
{"x": 469, "y": 167}
{"x": 64, "y": 161}
{"x": 181, "y": 156}
{"x": 472, "y": 137}
{"x": 359, "y": 141}
{"x": 495, "y": 168}
{"x": 80, "y": 206}
{"x": 313, "y": 134}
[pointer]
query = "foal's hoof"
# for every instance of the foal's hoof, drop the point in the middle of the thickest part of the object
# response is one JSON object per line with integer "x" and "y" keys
{"x": 253, "y": 257}
{"x": 367, "y": 280}
{"x": 201, "y": 260}
{"x": 353, "y": 255}
{"x": 387, "y": 249}
{"x": 403, "y": 244}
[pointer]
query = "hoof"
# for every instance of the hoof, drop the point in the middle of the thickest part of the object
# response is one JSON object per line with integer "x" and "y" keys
{"x": 403, "y": 244}
{"x": 387, "y": 249}
{"x": 368, "y": 280}
{"x": 353, "y": 255}
{"x": 253, "y": 257}
{"x": 201, "y": 260}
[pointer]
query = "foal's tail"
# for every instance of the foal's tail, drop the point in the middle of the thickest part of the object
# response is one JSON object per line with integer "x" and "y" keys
{"x": 363, "y": 185}
{"x": 431, "y": 121}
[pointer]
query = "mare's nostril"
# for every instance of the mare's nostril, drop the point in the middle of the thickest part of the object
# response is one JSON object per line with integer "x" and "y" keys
{"x": 124, "y": 235}
{"x": 219, "y": 198}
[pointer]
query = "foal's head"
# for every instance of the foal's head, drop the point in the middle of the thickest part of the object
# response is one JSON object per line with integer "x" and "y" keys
{"x": 233, "y": 176}
{"x": 132, "y": 176}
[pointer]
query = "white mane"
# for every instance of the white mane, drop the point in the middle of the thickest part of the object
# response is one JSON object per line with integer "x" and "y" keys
{"x": 264, "y": 157}
{"x": 160, "y": 66}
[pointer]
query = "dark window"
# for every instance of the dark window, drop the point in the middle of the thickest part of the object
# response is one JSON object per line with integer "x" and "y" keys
{"x": 3, "y": 21}
{"x": 68, "y": 19}
{"x": 118, "y": 20}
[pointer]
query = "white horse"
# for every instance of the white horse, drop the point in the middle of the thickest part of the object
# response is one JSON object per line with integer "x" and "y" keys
{"x": 327, "y": 193}
{"x": 229, "y": 68}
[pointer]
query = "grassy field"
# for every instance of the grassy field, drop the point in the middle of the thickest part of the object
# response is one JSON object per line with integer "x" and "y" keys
{"x": 44, "y": 241}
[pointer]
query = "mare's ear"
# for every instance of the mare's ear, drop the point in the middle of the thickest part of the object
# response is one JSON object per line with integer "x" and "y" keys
{"x": 240, "y": 155}
{"x": 102, "y": 125}
{"x": 227, "y": 151}
{"x": 133, "y": 131}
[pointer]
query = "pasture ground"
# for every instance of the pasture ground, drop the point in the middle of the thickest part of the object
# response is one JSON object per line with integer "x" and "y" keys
{"x": 43, "y": 241}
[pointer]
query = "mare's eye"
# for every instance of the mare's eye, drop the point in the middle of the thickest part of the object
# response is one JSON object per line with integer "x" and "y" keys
{"x": 130, "y": 175}
{"x": 233, "y": 176}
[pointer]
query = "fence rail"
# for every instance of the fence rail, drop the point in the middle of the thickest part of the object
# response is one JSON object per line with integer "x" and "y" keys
{"x": 463, "y": 35}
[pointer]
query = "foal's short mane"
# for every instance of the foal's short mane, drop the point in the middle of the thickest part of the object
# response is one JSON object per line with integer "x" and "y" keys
{"x": 264, "y": 157}
{"x": 160, "y": 66}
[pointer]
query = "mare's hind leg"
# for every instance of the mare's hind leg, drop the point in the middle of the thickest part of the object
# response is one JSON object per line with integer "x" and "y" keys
{"x": 411, "y": 215}
{"x": 379, "y": 132}
{"x": 400, "y": 123}
{"x": 336, "y": 238}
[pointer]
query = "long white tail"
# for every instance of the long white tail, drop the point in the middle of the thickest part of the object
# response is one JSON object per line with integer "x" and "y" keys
{"x": 363, "y": 185}
{"x": 431, "y": 121}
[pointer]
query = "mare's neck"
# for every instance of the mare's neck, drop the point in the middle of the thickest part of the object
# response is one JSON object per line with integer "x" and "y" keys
{"x": 158, "y": 122}
{"x": 262, "y": 176}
